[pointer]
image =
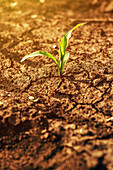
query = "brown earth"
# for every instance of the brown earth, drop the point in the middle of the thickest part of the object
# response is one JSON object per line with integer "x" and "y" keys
{"x": 69, "y": 126}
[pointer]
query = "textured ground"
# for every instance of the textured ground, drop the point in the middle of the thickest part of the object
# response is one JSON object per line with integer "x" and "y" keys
{"x": 69, "y": 124}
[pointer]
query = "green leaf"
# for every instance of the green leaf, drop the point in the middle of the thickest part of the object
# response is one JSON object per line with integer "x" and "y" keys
{"x": 68, "y": 34}
{"x": 59, "y": 63}
{"x": 37, "y": 53}
{"x": 59, "y": 51}
{"x": 64, "y": 42}
{"x": 65, "y": 59}
{"x": 63, "y": 45}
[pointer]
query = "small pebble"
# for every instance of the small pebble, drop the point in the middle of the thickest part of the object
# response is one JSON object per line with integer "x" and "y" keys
{"x": 31, "y": 98}
{"x": 54, "y": 46}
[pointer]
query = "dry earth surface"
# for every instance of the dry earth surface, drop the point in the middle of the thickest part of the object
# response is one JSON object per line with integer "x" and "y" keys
{"x": 69, "y": 124}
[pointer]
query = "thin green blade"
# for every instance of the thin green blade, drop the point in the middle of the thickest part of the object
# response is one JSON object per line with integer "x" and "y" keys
{"x": 59, "y": 63}
{"x": 64, "y": 41}
{"x": 65, "y": 59}
{"x": 59, "y": 51}
{"x": 37, "y": 53}
{"x": 68, "y": 34}
{"x": 63, "y": 45}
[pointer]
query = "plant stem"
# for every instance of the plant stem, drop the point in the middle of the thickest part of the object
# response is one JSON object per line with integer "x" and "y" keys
{"x": 61, "y": 70}
{"x": 60, "y": 73}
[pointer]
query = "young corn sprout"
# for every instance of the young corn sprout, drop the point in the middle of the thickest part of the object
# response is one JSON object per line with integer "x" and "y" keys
{"x": 63, "y": 55}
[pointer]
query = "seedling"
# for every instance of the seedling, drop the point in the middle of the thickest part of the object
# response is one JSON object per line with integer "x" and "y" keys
{"x": 63, "y": 55}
